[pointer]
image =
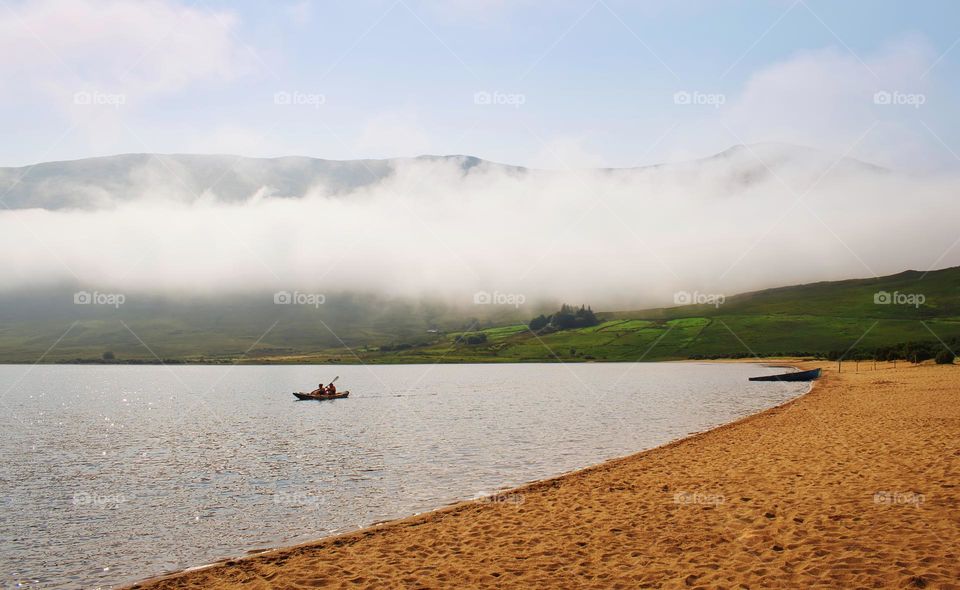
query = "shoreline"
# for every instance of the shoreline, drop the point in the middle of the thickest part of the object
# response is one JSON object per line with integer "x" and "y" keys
{"x": 411, "y": 520}
{"x": 774, "y": 361}
{"x": 787, "y": 496}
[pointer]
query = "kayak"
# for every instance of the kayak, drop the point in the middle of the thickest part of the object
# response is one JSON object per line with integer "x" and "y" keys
{"x": 305, "y": 396}
{"x": 798, "y": 376}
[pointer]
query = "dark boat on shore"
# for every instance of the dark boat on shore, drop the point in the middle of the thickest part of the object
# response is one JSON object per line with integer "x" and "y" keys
{"x": 810, "y": 375}
{"x": 305, "y": 396}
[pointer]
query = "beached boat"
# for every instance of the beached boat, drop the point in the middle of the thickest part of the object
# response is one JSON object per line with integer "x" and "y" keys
{"x": 797, "y": 376}
{"x": 306, "y": 396}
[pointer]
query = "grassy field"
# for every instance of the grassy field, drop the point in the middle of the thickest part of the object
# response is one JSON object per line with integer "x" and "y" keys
{"x": 802, "y": 319}
{"x": 798, "y": 320}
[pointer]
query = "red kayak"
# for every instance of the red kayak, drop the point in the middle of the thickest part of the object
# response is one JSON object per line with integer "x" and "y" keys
{"x": 319, "y": 396}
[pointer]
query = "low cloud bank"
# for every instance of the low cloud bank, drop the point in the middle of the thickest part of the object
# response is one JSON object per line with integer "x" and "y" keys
{"x": 753, "y": 217}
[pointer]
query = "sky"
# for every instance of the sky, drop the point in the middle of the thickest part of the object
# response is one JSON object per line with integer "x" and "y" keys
{"x": 564, "y": 84}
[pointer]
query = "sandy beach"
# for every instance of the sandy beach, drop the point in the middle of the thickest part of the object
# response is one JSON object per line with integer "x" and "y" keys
{"x": 853, "y": 485}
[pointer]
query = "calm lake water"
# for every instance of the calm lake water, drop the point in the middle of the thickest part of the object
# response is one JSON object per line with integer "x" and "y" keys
{"x": 111, "y": 474}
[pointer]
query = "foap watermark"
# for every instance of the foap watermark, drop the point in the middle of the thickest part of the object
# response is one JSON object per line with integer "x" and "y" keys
{"x": 298, "y": 499}
{"x": 898, "y": 498}
{"x": 98, "y": 500}
{"x": 96, "y": 98}
{"x": 497, "y": 98}
{"x": 298, "y": 298}
{"x": 98, "y": 298}
{"x": 699, "y": 498}
{"x": 709, "y": 99}
{"x": 897, "y": 98}
{"x": 498, "y": 298}
{"x": 296, "y": 98}
{"x": 499, "y": 498}
{"x": 698, "y": 298}
{"x": 898, "y": 298}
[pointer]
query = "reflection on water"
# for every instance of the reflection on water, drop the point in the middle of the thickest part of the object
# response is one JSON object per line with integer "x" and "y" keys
{"x": 114, "y": 473}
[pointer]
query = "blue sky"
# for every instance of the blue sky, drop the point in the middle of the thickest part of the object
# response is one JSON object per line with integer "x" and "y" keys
{"x": 570, "y": 83}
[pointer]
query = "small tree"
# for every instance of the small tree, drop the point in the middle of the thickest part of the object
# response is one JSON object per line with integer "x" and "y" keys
{"x": 944, "y": 357}
{"x": 475, "y": 338}
{"x": 108, "y": 356}
{"x": 539, "y": 322}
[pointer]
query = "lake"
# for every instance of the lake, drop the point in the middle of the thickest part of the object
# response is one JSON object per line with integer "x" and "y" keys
{"x": 111, "y": 474}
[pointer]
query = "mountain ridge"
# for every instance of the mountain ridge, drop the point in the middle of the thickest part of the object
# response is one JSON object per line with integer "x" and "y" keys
{"x": 100, "y": 181}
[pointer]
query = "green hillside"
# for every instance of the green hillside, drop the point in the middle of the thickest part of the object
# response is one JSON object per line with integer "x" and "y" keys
{"x": 48, "y": 325}
{"x": 797, "y": 320}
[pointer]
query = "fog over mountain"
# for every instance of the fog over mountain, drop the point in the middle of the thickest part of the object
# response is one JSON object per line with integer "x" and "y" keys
{"x": 95, "y": 183}
{"x": 108, "y": 181}
{"x": 446, "y": 227}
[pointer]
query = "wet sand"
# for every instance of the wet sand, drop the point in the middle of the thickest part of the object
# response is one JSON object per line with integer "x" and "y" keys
{"x": 854, "y": 485}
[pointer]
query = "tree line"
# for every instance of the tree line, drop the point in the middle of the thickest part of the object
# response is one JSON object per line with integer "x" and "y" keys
{"x": 914, "y": 352}
{"x": 567, "y": 318}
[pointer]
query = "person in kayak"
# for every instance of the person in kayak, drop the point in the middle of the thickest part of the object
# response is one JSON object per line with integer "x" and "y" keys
{"x": 319, "y": 390}
{"x": 330, "y": 389}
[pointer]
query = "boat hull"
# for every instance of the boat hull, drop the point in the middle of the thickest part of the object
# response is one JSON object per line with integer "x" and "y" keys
{"x": 810, "y": 375}
{"x": 309, "y": 396}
